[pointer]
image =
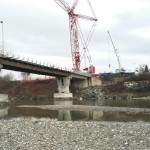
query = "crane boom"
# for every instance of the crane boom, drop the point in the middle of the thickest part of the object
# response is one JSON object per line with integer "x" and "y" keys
{"x": 63, "y": 5}
{"x": 74, "y": 40}
{"x": 86, "y": 17}
{"x": 116, "y": 52}
{"x": 74, "y": 5}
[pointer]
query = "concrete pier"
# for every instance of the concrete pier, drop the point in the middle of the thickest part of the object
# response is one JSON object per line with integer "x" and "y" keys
{"x": 1, "y": 66}
{"x": 63, "y": 88}
{"x": 3, "y": 98}
{"x": 64, "y": 98}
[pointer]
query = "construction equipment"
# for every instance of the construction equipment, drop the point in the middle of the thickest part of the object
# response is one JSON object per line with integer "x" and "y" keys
{"x": 120, "y": 70}
{"x": 74, "y": 30}
{"x": 2, "y": 47}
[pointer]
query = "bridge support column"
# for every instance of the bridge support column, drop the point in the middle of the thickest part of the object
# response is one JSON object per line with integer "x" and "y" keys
{"x": 1, "y": 66}
{"x": 63, "y": 88}
{"x": 63, "y": 97}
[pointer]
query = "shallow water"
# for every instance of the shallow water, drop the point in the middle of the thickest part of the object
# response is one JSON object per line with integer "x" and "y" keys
{"x": 32, "y": 113}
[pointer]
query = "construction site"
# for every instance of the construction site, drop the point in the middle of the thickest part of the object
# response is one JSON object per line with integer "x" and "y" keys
{"x": 84, "y": 103}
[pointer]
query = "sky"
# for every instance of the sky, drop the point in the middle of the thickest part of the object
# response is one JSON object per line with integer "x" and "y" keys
{"x": 38, "y": 30}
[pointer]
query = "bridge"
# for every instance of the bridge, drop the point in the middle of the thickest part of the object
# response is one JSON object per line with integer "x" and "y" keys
{"x": 10, "y": 63}
{"x": 77, "y": 78}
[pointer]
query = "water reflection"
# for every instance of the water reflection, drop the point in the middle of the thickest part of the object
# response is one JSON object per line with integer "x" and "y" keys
{"x": 3, "y": 112}
{"x": 66, "y": 115}
{"x": 61, "y": 115}
{"x": 87, "y": 115}
{"x": 138, "y": 103}
{"x": 16, "y": 112}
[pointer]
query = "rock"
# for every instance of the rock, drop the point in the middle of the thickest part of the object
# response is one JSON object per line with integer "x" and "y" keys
{"x": 49, "y": 134}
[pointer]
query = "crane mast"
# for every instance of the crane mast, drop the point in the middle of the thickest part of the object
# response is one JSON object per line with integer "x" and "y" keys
{"x": 116, "y": 52}
{"x": 74, "y": 42}
{"x": 74, "y": 36}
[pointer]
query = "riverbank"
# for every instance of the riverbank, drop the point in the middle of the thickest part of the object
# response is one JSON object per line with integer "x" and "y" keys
{"x": 88, "y": 108}
{"x": 53, "y": 135}
{"x": 42, "y": 91}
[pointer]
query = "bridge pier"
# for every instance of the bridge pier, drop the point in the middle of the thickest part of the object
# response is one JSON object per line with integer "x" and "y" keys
{"x": 1, "y": 66}
{"x": 63, "y": 88}
{"x": 63, "y": 97}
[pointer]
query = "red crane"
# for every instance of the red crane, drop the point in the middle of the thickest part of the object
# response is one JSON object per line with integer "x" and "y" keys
{"x": 74, "y": 40}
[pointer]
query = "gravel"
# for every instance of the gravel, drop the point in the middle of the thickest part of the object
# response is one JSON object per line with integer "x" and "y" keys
{"x": 88, "y": 108}
{"x": 47, "y": 134}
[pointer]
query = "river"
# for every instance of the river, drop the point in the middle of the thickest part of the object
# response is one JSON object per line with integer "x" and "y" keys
{"x": 10, "y": 112}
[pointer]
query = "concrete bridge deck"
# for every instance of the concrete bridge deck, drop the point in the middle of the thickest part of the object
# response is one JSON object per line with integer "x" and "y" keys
{"x": 10, "y": 63}
{"x": 88, "y": 108}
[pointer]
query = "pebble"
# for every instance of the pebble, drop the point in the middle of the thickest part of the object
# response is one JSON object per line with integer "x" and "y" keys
{"x": 50, "y": 134}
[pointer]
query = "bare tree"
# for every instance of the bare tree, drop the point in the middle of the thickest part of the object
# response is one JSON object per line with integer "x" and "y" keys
{"x": 146, "y": 69}
{"x": 8, "y": 77}
{"x": 143, "y": 68}
{"x": 25, "y": 75}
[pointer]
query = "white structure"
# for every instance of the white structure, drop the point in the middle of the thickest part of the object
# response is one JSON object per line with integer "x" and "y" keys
{"x": 3, "y": 98}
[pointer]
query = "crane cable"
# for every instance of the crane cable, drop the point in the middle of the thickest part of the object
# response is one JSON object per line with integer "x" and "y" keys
{"x": 92, "y": 8}
{"x": 108, "y": 52}
{"x": 85, "y": 49}
{"x": 84, "y": 43}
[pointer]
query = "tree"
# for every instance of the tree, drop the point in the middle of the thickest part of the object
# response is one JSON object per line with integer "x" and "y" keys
{"x": 146, "y": 69}
{"x": 8, "y": 77}
{"x": 25, "y": 75}
{"x": 143, "y": 68}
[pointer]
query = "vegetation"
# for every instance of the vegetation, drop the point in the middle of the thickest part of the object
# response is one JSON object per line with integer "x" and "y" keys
{"x": 25, "y": 75}
{"x": 7, "y": 77}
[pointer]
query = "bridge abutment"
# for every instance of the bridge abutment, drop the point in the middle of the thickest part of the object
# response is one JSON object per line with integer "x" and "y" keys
{"x": 92, "y": 81}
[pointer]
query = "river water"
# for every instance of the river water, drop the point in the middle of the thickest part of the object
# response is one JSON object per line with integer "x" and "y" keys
{"x": 37, "y": 113}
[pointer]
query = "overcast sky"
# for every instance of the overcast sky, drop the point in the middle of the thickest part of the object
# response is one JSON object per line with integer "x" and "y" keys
{"x": 39, "y": 30}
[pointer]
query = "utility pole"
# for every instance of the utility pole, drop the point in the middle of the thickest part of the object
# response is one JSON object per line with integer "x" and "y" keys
{"x": 2, "y": 50}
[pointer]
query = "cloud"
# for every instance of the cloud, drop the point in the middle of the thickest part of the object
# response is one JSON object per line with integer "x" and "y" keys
{"x": 40, "y": 29}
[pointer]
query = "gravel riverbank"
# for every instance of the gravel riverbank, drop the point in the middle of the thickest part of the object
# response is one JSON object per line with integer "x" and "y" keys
{"x": 23, "y": 134}
{"x": 88, "y": 108}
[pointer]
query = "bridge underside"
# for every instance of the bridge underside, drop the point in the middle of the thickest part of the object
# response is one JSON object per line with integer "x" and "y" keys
{"x": 23, "y": 66}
